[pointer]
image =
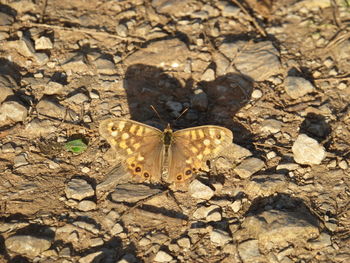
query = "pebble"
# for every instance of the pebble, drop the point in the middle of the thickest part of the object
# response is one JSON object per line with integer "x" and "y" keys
{"x": 258, "y": 60}
{"x": 12, "y": 111}
{"x": 174, "y": 106}
{"x": 78, "y": 98}
{"x": 208, "y": 75}
{"x": 20, "y": 160}
{"x": 43, "y": 43}
{"x": 324, "y": 240}
{"x": 75, "y": 63}
{"x": 200, "y": 100}
{"x": 5, "y": 19}
{"x": 342, "y": 86}
{"x": 53, "y": 109}
{"x": 297, "y": 87}
{"x": 26, "y": 245}
{"x": 87, "y": 226}
{"x": 184, "y": 242}
{"x": 78, "y": 189}
{"x": 288, "y": 166}
{"x": 204, "y": 211}
{"x": 132, "y": 193}
{"x": 122, "y": 30}
{"x": 266, "y": 184}
{"x": 104, "y": 66}
{"x": 249, "y": 250}
{"x": 8, "y": 148}
{"x": 307, "y": 150}
{"x": 219, "y": 237}
{"x": 270, "y": 155}
{"x": 144, "y": 241}
{"x": 271, "y": 126}
{"x": 328, "y": 62}
{"x": 38, "y": 127}
{"x": 230, "y": 11}
{"x": 162, "y": 256}
{"x": 117, "y": 229}
{"x": 92, "y": 257}
{"x": 248, "y": 167}
{"x": 5, "y": 91}
{"x": 200, "y": 191}
{"x": 257, "y": 94}
{"x": 236, "y": 206}
{"x": 343, "y": 165}
{"x": 86, "y": 205}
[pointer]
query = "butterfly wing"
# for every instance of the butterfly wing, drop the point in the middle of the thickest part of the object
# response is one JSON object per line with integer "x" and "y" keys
{"x": 139, "y": 145}
{"x": 192, "y": 147}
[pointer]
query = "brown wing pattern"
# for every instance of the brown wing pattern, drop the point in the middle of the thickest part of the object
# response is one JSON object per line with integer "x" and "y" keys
{"x": 192, "y": 147}
{"x": 139, "y": 145}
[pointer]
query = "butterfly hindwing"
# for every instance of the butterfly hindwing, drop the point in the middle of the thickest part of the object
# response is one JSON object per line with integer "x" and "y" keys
{"x": 192, "y": 147}
{"x": 139, "y": 145}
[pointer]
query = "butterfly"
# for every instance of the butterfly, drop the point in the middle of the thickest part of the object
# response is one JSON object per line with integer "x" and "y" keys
{"x": 148, "y": 152}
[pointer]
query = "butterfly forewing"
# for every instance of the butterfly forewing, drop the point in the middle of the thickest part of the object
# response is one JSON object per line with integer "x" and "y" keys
{"x": 192, "y": 147}
{"x": 139, "y": 145}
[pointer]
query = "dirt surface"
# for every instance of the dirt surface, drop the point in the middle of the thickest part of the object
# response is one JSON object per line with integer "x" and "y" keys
{"x": 276, "y": 73}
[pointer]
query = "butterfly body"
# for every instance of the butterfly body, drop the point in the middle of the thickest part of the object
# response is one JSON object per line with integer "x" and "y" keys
{"x": 148, "y": 152}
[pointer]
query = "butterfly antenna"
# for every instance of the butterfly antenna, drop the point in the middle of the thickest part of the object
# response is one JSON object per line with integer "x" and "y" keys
{"x": 154, "y": 109}
{"x": 182, "y": 113}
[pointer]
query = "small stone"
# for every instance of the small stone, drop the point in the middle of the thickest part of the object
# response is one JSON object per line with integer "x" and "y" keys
{"x": 12, "y": 111}
{"x": 104, "y": 66}
{"x": 38, "y": 127}
{"x": 8, "y": 148}
{"x": 85, "y": 169}
{"x": 94, "y": 94}
{"x": 271, "y": 126}
{"x": 343, "y": 165}
{"x": 200, "y": 100}
{"x": 87, "y": 226}
{"x": 20, "y": 160}
{"x": 86, "y": 205}
{"x": 132, "y": 193}
{"x": 257, "y": 94}
{"x": 236, "y": 206}
{"x": 249, "y": 251}
{"x": 65, "y": 252}
{"x": 162, "y": 256}
{"x": 78, "y": 189}
{"x": 5, "y": 19}
{"x": 75, "y": 63}
{"x": 307, "y": 150}
{"x": 214, "y": 217}
{"x": 91, "y": 258}
{"x": 199, "y": 190}
{"x": 288, "y": 166}
{"x": 331, "y": 226}
{"x": 174, "y": 106}
{"x": 219, "y": 237}
{"x": 43, "y": 43}
{"x": 121, "y": 30}
{"x": 248, "y": 167}
{"x": 270, "y": 155}
{"x": 26, "y": 245}
{"x": 52, "y": 108}
{"x": 324, "y": 240}
{"x": 78, "y": 98}
{"x": 342, "y": 86}
{"x": 5, "y": 91}
{"x": 223, "y": 163}
{"x": 230, "y": 11}
{"x": 184, "y": 242}
{"x": 297, "y": 87}
{"x": 204, "y": 211}
{"x": 95, "y": 242}
{"x": 328, "y": 62}
{"x": 53, "y": 87}
{"x": 117, "y": 229}
{"x": 208, "y": 75}
{"x": 144, "y": 241}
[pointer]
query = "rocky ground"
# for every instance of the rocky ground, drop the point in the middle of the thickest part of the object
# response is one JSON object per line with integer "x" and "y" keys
{"x": 274, "y": 72}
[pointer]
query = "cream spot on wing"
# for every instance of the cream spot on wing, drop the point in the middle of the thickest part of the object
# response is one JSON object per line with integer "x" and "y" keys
{"x": 123, "y": 145}
{"x": 212, "y": 133}
{"x": 200, "y": 156}
{"x": 193, "y": 135}
{"x": 140, "y": 158}
{"x": 125, "y": 136}
{"x": 140, "y": 131}
{"x": 136, "y": 146}
{"x": 133, "y": 128}
{"x": 129, "y": 151}
{"x": 194, "y": 149}
{"x": 206, "y": 142}
{"x": 121, "y": 125}
{"x": 217, "y": 141}
{"x": 206, "y": 151}
{"x": 200, "y": 133}
{"x": 187, "y": 133}
{"x": 189, "y": 161}
{"x": 113, "y": 142}
{"x": 114, "y": 133}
